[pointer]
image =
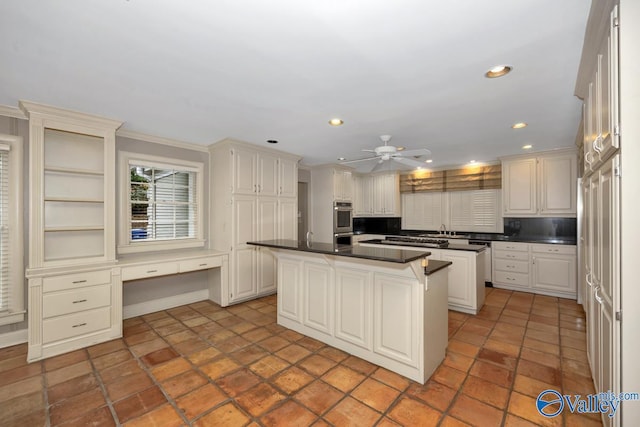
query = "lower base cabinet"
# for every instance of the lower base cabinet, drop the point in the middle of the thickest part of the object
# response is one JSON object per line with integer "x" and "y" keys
{"x": 531, "y": 267}
{"x": 382, "y": 314}
{"x": 73, "y": 310}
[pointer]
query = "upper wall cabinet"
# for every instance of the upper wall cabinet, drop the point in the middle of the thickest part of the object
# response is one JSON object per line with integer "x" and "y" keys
{"x": 601, "y": 113}
{"x": 544, "y": 185}
{"x": 377, "y": 195}
{"x": 263, "y": 173}
{"x": 72, "y": 187}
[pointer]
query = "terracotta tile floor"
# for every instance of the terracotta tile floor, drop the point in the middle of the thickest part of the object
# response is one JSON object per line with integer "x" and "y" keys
{"x": 204, "y": 365}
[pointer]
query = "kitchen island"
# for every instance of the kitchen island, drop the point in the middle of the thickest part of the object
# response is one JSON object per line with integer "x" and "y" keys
{"x": 466, "y": 275}
{"x": 379, "y": 304}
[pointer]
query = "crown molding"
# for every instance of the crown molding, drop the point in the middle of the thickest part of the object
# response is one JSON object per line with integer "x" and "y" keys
{"x": 161, "y": 140}
{"x": 48, "y": 112}
{"x": 14, "y": 112}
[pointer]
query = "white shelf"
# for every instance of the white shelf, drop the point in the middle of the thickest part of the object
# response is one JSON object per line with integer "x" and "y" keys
{"x": 73, "y": 199}
{"x": 75, "y": 171}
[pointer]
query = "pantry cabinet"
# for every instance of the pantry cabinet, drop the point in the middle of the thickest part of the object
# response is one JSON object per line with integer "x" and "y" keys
{"x": 544, "y": 185}
{"x": 254, "y": 197}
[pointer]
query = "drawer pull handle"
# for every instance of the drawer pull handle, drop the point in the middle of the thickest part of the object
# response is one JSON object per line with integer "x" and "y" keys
{"x": 152, "y": 271}
{"x": 203, "y": 265}
{"x": 511, "y": 266}
{"x": 79, "y": 301}
{"x": 79, "y": 325}
{"x": 510, "y": 278}
{"x": 75, "y": 282}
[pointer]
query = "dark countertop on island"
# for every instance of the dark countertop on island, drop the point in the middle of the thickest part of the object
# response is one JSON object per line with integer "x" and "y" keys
{"x": 401, "y": 256}
{"x": 435, "y": 265}
{"x": 452, "y": 246}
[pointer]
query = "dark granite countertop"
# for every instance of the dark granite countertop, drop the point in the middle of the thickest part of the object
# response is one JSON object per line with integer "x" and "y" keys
{"x": 452, "y": 246}
{"x": 435, "y": 265}
{"x": 401, "y": 256}
{"x": 495, "y": 237}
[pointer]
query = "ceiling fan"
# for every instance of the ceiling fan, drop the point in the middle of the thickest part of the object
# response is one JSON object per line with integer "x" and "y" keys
{"x": 389, "y": 152}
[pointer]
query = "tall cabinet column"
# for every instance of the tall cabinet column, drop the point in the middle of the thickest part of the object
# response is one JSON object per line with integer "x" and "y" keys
{"x": 75, "y": 292}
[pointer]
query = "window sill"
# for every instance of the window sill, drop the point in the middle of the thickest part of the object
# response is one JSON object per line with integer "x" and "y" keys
{"x": 160, "y": 246}
{"x": 10, "y": 318}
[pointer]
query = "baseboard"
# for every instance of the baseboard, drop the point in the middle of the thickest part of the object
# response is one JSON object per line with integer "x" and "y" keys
{"x": 13, "y": 338}
{"x": 160, "y": 304}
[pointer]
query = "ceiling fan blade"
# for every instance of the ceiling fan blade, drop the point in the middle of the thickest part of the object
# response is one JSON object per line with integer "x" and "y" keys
{"x": 368, "y": 150}
{"x": 409, "y": 162}
{"x": 358, "y": 160}
{"x": 377, "y": 166}
{"x": 416, "y": 152}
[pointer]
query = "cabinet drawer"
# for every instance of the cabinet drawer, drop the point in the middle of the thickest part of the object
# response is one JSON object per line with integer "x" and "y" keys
{"x": 72, "y": 301}
{"x": 511, "y": 246}
{"x": 511, "y": 266}
{"x": 76, "y": 324}
{"x": 199, "y": 264}
{"x": 554, "y": 249}
{"x": 509, "y": 278}
{"x": 78, "y": 280}
{"x": 518, "y": 256}
{"x": 149, "y": 270}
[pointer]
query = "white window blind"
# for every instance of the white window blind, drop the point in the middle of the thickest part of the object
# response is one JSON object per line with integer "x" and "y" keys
{"x": 164, "y": 203}
{"x": 5, "y": 277}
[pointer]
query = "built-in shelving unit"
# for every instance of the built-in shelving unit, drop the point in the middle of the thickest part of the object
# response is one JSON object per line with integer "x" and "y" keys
{"x": 75, "y": 291}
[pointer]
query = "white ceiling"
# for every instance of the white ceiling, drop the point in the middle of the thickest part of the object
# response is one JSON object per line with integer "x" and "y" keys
{"x": 253, "y": 70}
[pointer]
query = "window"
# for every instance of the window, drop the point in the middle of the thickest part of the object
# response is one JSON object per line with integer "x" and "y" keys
{"x": 11, "y": 249}
{"x": 163, "y": 203}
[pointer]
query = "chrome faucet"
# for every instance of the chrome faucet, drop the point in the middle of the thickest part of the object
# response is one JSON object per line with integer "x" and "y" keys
{"x": 443, "y": 229}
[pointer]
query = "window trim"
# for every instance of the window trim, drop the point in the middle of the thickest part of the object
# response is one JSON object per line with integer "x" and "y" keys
{"x": 125, "y": 245}
{"x": 16, "y": 312}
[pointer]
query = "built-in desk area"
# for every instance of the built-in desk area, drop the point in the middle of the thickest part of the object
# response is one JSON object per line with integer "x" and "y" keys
{"x": 79, "y": 306}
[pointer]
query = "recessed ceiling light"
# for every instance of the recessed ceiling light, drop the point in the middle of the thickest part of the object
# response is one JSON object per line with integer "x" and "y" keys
{"x": 341, "y": 158}
{"x": 498, "y": 71}
{"x": 527, "y": 147}
{"x": 419, "y": 168}
{"x": 472, "y": 161}
{"x": 519, "y": 125}
{"x": 272, "y": 141}
{"x": 336, "y": 122}
{"x": 428, "y": 161}
{"x": 399, "y": 148}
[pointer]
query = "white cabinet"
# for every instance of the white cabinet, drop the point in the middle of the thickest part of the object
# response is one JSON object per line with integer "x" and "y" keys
{"x": 601, "y": 108}
{"x": 553, "y": 268}
{"x": 396, "y": 331}
{"x": 342, "y": 185}
{"x": 466, "y": 278}
{"x": 289, "y": 289}
{"x": 317, "y": 291}
{"x": 386, "y": 195}
{"x": 262, "y": 172}
{"x": 75, "y": 298}
{"x": 544, "y": 185}
{"x": 511, "y": 265}
{"x": 377, "y": 195}
{"x": 539, "y": 268}
{"x": 353, "y": 299}
{"x": 519, "y": 187}
{"x": 254, "y": 197}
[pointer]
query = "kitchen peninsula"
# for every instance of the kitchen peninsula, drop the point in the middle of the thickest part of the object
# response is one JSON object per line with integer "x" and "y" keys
{"x": 379, "y": 304}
